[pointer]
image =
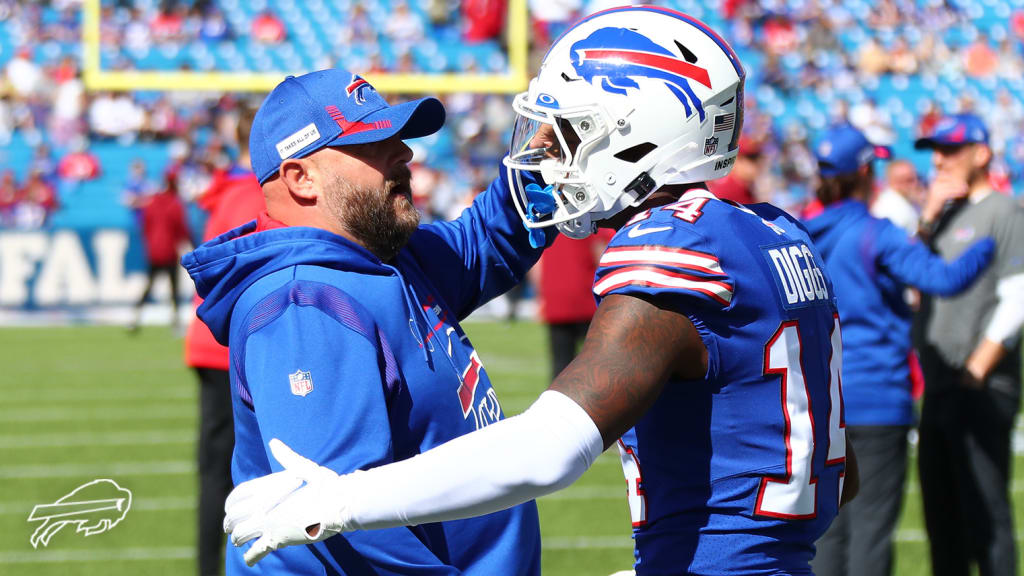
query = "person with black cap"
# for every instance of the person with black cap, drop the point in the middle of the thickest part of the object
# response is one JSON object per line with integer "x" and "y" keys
{"x": 971, "y": 358}
{"x": 342, "y": 315}
{"x": 871, "y": 261}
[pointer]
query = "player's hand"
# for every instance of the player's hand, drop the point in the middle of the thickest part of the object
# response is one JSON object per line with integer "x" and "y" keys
{"x": 972, "y": 379}
{"x": 545, "y": 139}
{"x": 944, "y": 187}
{"x": 302, "y": 504}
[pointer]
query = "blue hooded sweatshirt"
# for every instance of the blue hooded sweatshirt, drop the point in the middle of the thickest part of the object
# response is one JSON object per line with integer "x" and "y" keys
{"x": 356, "y": 363}
{"x": 871, "y": 261}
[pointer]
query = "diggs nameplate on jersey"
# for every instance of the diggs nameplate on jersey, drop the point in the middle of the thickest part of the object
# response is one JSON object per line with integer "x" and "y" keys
{"x": 798, "y": 278}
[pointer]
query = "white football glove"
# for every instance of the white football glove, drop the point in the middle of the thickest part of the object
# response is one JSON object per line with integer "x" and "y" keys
{"x": 302, "y": 504}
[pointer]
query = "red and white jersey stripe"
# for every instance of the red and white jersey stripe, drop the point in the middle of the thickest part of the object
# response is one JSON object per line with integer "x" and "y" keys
{"x": 655, "y": 277}
{"x": 662, "y": 256}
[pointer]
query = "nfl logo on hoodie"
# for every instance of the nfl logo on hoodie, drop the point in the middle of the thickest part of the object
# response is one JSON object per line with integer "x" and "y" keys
{"x": 302, "y": 383}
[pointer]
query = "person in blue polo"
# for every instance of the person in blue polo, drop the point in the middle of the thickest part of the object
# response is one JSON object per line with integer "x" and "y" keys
{"x": 342, "y": 318}
{"x": 871, "y": 261}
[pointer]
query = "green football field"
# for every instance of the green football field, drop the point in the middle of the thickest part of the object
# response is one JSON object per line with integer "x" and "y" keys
{"x": 82, "y": 403}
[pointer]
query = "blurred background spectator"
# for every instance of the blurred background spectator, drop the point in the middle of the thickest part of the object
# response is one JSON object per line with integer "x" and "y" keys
{"x": 165, "y": 232}
{"x": 900, "y": 200}
{"x": 268, "y": 28}
{"x": 738, "y": 185}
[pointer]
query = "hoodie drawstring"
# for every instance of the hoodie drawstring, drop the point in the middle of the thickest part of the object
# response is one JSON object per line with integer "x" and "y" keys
{"x": 413, "y": 306}
{"x": 413, "y": 301}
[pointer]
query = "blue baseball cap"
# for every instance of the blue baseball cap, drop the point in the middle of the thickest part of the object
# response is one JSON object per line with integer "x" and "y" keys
{"x": 842, "y": 149}
{"x": 955, "y": 130}
{"x": 331, "y": 108}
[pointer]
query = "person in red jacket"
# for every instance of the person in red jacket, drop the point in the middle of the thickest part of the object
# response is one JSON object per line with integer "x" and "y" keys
{"x": 163, "y": 230}
{"x": 233, "y": 198}
{"x": 564, "y": 277}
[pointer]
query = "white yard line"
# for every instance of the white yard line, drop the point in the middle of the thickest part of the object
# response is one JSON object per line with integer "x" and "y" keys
{"x": 99, "y": 469}
{"x": 73, "y": 413}
{"x": 47, "y": 396}
{"x": 174, "y": 436}
{"x": 76, "y": 556}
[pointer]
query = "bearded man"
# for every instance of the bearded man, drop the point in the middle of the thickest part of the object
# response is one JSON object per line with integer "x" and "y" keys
{"x": 341, "y": 315}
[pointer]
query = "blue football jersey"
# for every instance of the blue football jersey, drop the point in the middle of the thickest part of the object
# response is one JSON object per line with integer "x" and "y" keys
{"x": 740, "y": 472}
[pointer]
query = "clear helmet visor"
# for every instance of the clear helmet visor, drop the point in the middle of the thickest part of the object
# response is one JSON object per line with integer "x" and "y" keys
{"x": 538, "y": 137}
{"x": 545, "y": 141}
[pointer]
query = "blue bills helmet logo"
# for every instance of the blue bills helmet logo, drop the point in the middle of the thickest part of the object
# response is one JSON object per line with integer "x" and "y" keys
{"x": 94, "y": 508}
{"x": 620, "y": 56}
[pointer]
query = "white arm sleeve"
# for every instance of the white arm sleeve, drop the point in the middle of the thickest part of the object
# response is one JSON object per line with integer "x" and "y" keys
{"x": 507, "y": 463}
{"x": 1004, "y": 327}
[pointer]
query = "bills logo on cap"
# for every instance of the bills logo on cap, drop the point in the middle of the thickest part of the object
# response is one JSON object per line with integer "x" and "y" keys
{"x": 356, "y": 86}
{"x": 945, "y": 125}
{"x": 619, "y": 56}
{"x": 301, "y": 382}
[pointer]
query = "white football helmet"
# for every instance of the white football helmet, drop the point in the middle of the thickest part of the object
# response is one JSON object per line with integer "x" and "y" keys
{"x": 626, "y": 101}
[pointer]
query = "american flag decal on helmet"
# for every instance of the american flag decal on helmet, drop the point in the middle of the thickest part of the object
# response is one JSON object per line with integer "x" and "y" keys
{"x": 724, "y": 122}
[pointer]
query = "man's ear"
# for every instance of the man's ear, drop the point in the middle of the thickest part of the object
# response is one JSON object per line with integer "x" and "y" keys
{"x": 982, "y": 156}
{"x": 300, "y": 176}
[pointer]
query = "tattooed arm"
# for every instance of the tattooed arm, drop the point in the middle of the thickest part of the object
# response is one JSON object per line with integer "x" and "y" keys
{"x": 633, "y": 346}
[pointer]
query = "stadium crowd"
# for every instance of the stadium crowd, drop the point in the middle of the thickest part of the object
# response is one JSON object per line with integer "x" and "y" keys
{"x": 810, "y": 64}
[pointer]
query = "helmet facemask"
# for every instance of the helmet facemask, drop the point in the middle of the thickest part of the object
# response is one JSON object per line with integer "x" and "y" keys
{"x": 551, "y": 142}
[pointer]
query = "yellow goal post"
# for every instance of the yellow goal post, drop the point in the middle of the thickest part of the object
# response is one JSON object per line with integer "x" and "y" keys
{"x": 96, "y": 78}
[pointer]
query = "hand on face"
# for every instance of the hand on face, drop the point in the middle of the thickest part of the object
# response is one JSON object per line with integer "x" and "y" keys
{"x": 952, "y": 172}
{"x": 944, "y": 188}
{"x": 545, "y": 138}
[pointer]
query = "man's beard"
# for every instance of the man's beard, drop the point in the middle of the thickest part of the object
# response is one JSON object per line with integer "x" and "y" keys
{"x": 381, "y": 219}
